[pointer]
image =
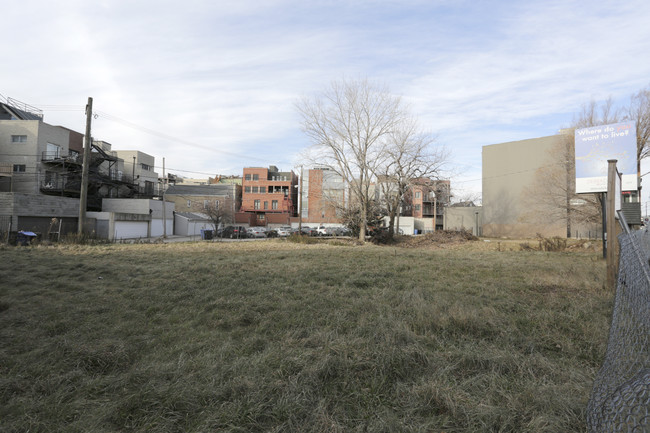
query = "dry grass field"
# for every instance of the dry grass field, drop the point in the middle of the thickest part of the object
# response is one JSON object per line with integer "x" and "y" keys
{"x": 276, "y": 336}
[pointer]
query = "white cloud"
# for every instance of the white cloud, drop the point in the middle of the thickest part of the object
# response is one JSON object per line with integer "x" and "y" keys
{"x": 220, "y": 78}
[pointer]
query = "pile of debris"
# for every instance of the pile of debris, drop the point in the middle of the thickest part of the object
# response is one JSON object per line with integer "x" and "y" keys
{"x": 437, "y": 238}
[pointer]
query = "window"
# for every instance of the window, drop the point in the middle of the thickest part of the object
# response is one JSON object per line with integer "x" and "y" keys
{"x": 260, "y": 217}
{"x": 266, "y": 205}
{"x": 262, "y": 190}
{"x": 274, "y": 204}
{"x": 256, "y": 204}
{"x": 18, "y": 138}
{"x": 247, "y": 177}
{"x": 417, "y": 207}
{"x": 19, "y": 168}
{"x": 256, "y": 177}
{"x": 52, "y": 151}
{"x": 146, "y": 167}
{"x": 417, "y": 194}
{"x": 255, "y": 189}
{"x": 247, "y": 189}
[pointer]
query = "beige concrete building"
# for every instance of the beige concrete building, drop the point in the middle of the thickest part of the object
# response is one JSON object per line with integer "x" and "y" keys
{"x": 529, "y": 190}
{"x": 510, "y": 172}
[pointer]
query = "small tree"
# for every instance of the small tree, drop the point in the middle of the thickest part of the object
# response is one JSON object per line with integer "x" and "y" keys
{"x": 219, "y": 214}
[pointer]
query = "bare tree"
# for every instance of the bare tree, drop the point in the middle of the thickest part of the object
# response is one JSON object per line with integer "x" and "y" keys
{"x": 639, "y": 110}
{"x": 349, "y": 126}
{"x": 219, "y": 214}
{"x": 410, "y": 155}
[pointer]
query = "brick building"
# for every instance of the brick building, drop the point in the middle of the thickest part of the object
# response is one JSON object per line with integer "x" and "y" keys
{"x": 428, "y": 198}
{"x": 322, "y": 192}
{"x": 269, "y": 196}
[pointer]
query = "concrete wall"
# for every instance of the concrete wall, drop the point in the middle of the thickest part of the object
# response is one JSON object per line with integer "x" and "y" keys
{"x": 406, "y": 224}
{"x": 464, "y": 218}
{"x": 139, "y": 206}
{"x": 509, "y": 170}
{"x": 130, "y": 218}
{"x": 38, "y": 205}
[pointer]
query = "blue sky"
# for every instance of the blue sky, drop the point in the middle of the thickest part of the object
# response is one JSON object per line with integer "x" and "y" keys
{"x": 218, "y": 80}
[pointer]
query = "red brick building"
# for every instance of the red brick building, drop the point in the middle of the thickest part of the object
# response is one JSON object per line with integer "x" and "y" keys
{"x": 428, "y": 199}
{"x": 269, "y": 196}
{"x": 323, "y": 192}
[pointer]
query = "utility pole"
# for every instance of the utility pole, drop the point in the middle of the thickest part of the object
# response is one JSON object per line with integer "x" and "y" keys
{"x": 83, "y": 194}
{"x": 163, "y": 204}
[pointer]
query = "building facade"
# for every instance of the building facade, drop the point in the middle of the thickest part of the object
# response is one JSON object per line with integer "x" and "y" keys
{"x": 428, "y": 199}
{"x": 200, "y": 198}
{"x": 268, "y": 196}
{"x": 323, "y": 194}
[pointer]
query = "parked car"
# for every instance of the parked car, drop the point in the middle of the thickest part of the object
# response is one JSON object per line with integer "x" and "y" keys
{"x": 309, "y": 231}
{"x": 342, "y": 231}
{"x": 322, "y": 231}
{"x": 284, "y": 231}
{"x": 255, "y": 232}
{"x": 271, "y": 233}
{"x": 234, "y": 232}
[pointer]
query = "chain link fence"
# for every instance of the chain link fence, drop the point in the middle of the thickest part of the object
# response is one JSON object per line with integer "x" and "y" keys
{"x": 620, "y": 399}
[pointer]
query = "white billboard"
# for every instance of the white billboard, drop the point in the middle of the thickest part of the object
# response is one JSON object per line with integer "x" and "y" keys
{"x": 595, "y": 145}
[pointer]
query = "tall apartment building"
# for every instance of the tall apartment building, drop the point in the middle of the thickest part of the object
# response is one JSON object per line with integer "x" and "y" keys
{"x": 268, "y": 196}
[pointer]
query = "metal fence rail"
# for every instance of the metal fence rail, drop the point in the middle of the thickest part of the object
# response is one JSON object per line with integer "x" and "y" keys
{"x": 620, "y": 399}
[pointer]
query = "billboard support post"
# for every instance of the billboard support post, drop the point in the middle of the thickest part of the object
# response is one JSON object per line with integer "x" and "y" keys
{"x": 612, "y": 239}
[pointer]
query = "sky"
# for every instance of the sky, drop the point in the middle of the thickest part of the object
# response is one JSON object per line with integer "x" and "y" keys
{"x": 211, "y": 86}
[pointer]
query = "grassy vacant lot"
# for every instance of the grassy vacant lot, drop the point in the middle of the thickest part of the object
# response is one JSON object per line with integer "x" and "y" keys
{"x": 276, "y": 336}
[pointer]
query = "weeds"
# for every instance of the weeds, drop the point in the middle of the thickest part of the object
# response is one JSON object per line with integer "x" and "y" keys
{"x": 293, "y": 337}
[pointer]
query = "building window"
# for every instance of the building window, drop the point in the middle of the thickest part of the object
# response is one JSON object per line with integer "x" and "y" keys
{"x": 19, "y": 168}
{"x": 417, "y": 208}
{"x": 52, "y": 151}
{"x": 274, "y": 204}
{"x": 256, "y": 204}
{"x": 146, "y": 167}
{"x": 262, "y": 190}
{"x": 256, "y": 177}
{"x": 247, "y": 177}
{"x": 266, "y": 205}
{"x": 260, "y": 217}
{"x": 18, "y": 138}
{"x": 255, "y": 189}
{"x": 417, "y": 194}
{"x": 247, "y": 189}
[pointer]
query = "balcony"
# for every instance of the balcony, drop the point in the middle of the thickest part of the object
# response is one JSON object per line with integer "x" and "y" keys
{"x": 56, "y": 157}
